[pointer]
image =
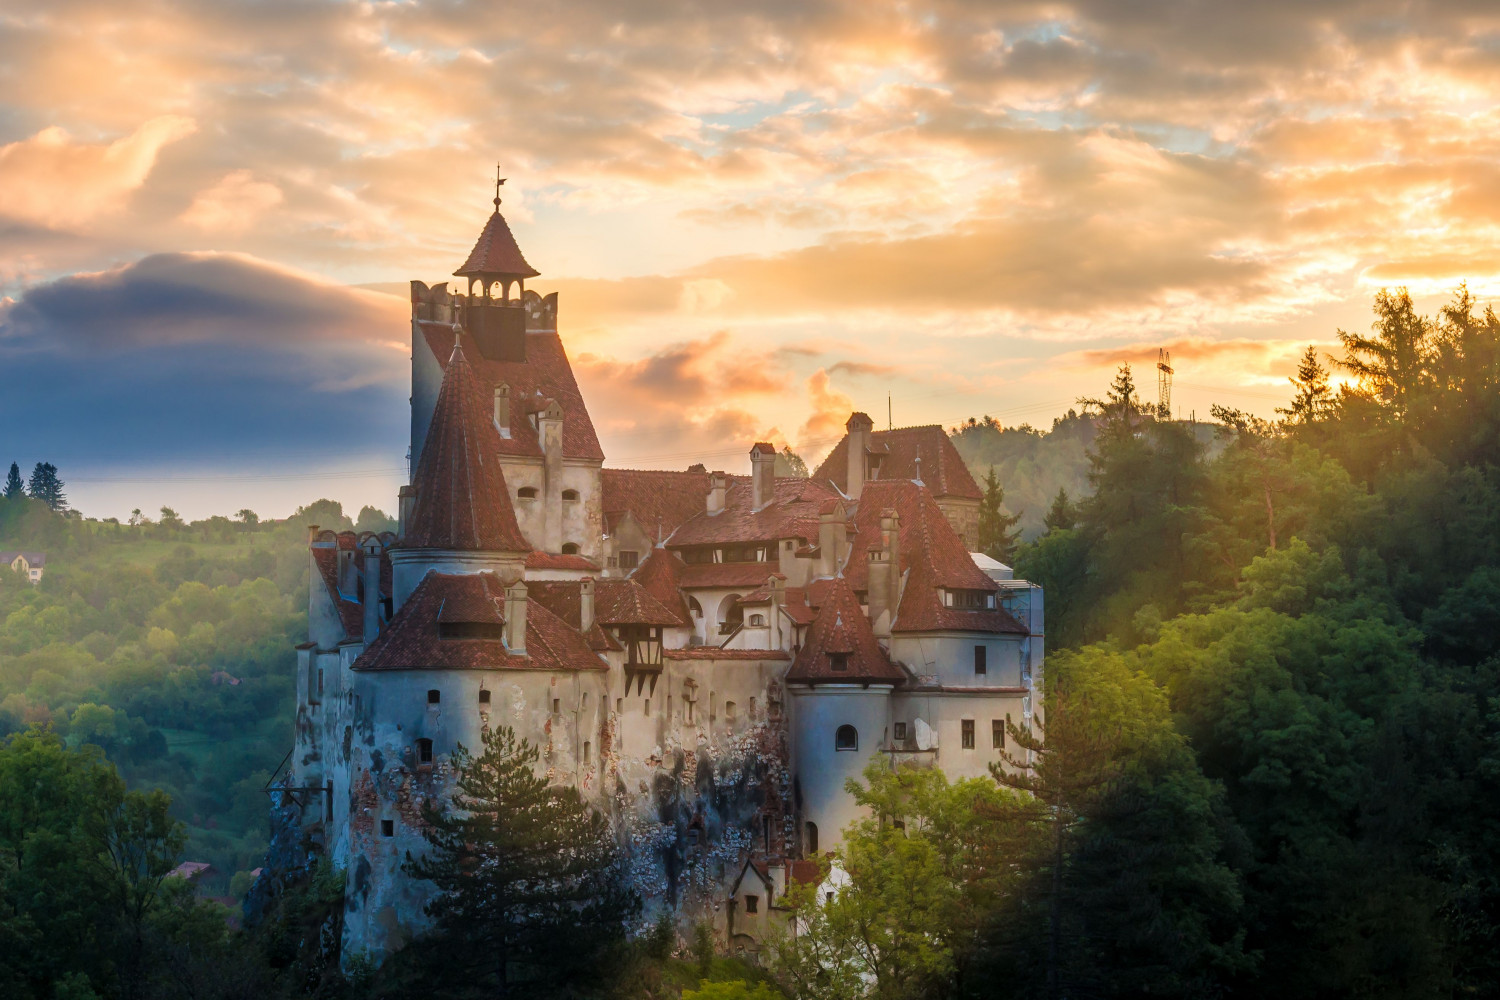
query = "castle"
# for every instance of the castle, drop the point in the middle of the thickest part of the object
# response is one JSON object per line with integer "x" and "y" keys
{"x": 706, "y": 657}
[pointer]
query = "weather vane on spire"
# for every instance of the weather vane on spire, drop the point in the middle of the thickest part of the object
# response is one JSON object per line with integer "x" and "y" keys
{"x": 498, "y": 182}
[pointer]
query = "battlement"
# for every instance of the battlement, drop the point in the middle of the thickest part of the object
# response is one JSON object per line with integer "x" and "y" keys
{"x": 437, "y": 304}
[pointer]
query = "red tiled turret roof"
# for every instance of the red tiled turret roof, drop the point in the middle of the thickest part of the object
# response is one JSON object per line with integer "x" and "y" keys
{"x": 841, "y": 629}
{"x": 496, "y": 253}
{"x": 942, "y": 467}
{"x": 462, "y": 499}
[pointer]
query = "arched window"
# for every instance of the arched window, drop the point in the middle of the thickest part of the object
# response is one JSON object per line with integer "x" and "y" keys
{"x": 758, "y": 621}
{"x": 694, "y": 607}
{"x": 570, "y": 548}
{"x": 570, "y": 494}
{"x": 812, "y": 838}
{"x": 847, "y": 738}
{"x": 526, "y": 493}
{"x": 424, "y": 751}
{"x": 731, "y": 614}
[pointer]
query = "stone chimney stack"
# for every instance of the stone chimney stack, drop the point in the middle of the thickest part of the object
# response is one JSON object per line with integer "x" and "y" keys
{"x": 406, "y": 500}
{"x": 515, "y": 618}
{"x": 312, "y": 533}
{"x": 586, "y": 604}
{"x": 833, "y": 536}
{"x": 718, "y": 485}
{"x": 762, "y": 474}
{"x": 550, "y": 434}
{"x": 502, "y": 408}
{"x": 885, "y": 575}
{"x": 371, "y": 549}
{"x": 859, "y": 427}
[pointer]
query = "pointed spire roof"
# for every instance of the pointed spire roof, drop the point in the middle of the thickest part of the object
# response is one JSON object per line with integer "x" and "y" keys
{"x": 462, "y": 500}
{"x": 842, "y": 630}
{"x": 496, "y": 254}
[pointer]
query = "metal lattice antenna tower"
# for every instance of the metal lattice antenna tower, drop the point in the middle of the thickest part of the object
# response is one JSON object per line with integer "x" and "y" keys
{"x": 1163, "y": 384}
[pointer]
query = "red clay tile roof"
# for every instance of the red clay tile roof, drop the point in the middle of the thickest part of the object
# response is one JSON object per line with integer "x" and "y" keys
{"x": 659, "y": 501}
{"x": 943, "y": 468}
{"x": 806, "y": 872}
{"x": 553, "y": 560}
{"x": 496, "y": 253}
{"x": 351, "y": 613}
{"x": 616, "y": 602}
{"x": 661, "y": 575}
{"x": 750, "y": 574}
{"x": 545, "y": 372}
{"x": 412, "y": 641}
{"x": 841, "y": 627}
{"x": 792, "y": 513}
{"x": 462, "y": 499}
{"x": 715, "y": 653}
{"x": 932, "y": 556}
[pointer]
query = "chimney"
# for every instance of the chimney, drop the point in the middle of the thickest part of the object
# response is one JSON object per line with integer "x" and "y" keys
{"x": 718, "y": 485}
{"x": 550, "y": 435}
{"x": 885, "y": 574}
{"x": 859, "y": 426}
{"x": 515, "y": 618}
{"x": 312, "y": 533}
{"x": 371, "y": 548}
{"x": 406, "y": 500}
{"x": 833, "y": 535}
{"x": 502, "y": 408}
{"x": 762, "y": 474}
{"x": 586, "y": 604}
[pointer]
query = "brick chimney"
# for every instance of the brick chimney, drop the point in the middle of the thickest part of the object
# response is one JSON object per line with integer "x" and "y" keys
{"x": 885, "y": 574}
{"x": 762, "y": 474}
{"x": 859, "y": 427}
{"x": 718, "y": 485}
{"x": 833, "y": 537}
{"x": 586, "y": 604}
{"x": 515, "y": 618}
{"x": 371, "y": 549}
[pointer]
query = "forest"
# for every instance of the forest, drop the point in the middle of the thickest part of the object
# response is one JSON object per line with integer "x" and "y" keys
{"x": 1267, "y": 763}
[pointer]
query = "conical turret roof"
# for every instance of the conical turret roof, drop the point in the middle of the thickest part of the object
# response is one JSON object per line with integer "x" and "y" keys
{"x": 496, "y": 253}
{"x": 462, "y": 500}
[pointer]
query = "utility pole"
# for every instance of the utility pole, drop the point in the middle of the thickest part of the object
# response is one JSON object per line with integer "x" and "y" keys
{"x": 889, "y": 424}
{"x": 1163, "y": 384}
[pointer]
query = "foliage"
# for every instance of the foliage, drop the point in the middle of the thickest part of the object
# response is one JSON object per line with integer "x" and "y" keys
{"x": 790, "y": 464}
{"x": 13, "y": 486}
{"x": 45, "y": 486}
{"x": 530, "y": 881}
{"x": 997, "y": 535}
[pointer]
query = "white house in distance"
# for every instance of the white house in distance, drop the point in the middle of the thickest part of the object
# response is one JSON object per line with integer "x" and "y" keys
{"x": 706, "y": 657}
{"x": 29, "y": 564}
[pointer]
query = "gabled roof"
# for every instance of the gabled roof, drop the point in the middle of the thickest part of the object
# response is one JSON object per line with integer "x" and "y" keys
{"x": 842, "y": 628}
{"x": 496, "y": 253}
{"x": 462, "y": 500}
{"x": 661, "y": 575}
{"x": 413, "y": 640}
{"x": 933, "y": 558}
{"x": 660, "y": 501}
{"x": 792, "y": 513}
{"x": 555, "y": 560}
{"x": 545, "y": 374}
{"x": 942, "y": 467}
{"x": 32, "y": 558}
{"x": 616, "y": 602}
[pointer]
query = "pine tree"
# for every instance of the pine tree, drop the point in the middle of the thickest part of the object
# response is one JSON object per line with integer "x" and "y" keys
{"x": 997, "y": 535}
{"x": 1063, "y": 514}
{"x": 1314, "y": 397}
{"x": 46, "y": 487}
{"x": 530, "y": 881}
{"x": 13, "y": 486}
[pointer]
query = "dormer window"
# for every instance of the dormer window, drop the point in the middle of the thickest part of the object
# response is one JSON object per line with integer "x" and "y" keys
{"x": 838, "y": 662}
{"x": 526, "y": 493}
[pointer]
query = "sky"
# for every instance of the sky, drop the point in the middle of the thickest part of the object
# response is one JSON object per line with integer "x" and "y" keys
{"x": 758, "y": 216}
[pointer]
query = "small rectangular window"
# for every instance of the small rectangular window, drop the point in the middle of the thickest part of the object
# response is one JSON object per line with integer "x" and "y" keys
{"x": 619, "y": 706}
{"x": 968, "y": 734}
{"x": 320, "y": 681}
{"x": 997, "y": 733}
{"x": 828, "y": 897}
{"x": 387, "y": 828}
{"x": 630, "y": 560}
{"x": 434, "y": 697}
{"x": 900, "y": 732}
{"x": 752, "y": 904}
{"x": 648, "y": 706}
{"x": 484, "y": 698}
{"x": 981, "y": 666}
{"x": 556, "y": 706}
{"x": 586, "y": 749}
{"x": 424, "y": 751}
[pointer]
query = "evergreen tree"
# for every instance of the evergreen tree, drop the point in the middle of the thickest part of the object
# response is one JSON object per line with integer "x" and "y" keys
{"x": 789, "y": 464}
{"x": 13, "y": 486}
{"x": 1063, "y": 514}
{"x": 1394, "y": 365}
{"x": 1313, "y": 398}
{"x": 46, "y": 487}
{"x": 530, "y": 880}
{"x": 998, "y": 536}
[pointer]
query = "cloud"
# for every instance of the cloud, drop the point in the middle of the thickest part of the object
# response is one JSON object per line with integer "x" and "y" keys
{"x": 831, "y": 410}
{"x": 53, "y": 180}
{"x": 234, "y": 204}
{"x": 229, "y": 299}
